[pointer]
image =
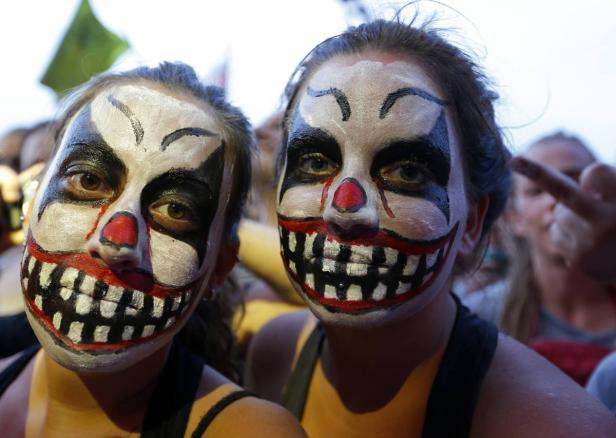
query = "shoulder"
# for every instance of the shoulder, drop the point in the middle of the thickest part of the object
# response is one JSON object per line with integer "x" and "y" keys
{"x": 524, "y": 395}
{"x": 254, "y": 417}
{"x": 271, "y": 353}
{"x": 246, "y": 416}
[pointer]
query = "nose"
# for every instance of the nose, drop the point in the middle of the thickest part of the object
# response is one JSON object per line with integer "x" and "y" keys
{"x": 351, "y": 214}
{"x": 349, "y": 196}
{"x": 117, "y": 244}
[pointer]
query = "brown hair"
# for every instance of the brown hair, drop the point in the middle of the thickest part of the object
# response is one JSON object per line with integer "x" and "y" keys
{"x": 207, "y": 332}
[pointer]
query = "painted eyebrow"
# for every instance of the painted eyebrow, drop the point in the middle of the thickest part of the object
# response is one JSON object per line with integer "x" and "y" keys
{"x": 179, "y": 133}
{"x": 391, "y": 99}
{"x": 340, "y": 97}
{"x": 134, "y": 121}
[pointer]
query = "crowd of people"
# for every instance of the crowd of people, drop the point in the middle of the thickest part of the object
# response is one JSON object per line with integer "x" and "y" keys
{"x": 384, "y": 267}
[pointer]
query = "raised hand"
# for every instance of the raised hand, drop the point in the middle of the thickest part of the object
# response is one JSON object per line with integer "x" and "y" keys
{"x": 584, "y": 227}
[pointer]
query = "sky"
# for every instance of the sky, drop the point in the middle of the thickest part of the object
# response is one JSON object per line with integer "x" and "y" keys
{"x": 552, "y": 62}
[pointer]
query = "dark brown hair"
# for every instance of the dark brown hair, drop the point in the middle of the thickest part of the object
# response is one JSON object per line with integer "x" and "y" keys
{"x": 207, "y": 332}
{"x": 463, "y": 82}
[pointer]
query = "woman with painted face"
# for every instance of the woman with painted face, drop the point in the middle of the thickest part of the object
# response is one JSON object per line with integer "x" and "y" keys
{"x": 132, "y": 231}
{"x": 393, "y": 169}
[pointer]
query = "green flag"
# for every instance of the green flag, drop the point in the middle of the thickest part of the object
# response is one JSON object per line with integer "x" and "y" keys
{"x": 86, "y": 49}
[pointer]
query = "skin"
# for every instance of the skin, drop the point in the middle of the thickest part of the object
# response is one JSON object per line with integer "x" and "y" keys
{"x": 538, "y": 217}
{"x": 583, "y": 230}
{"x": 105, "y": 386}
{"x": 359, "y": 344}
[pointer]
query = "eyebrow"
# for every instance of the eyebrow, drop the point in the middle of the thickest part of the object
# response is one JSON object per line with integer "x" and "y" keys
{"x": 134, "y": 121}
{"x": 391, "y": 98}
{"x": 341, "y": 99}
{"x": 179, "y": 133}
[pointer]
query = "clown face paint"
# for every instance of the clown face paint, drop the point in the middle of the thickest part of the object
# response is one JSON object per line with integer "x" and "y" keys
{"x": 373, "y": 188}
{"x": 120, "y": 238}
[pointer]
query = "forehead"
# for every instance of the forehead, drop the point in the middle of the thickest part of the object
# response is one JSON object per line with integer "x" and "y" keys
{"x": 562, "y": 155}
{"x": 140, "y": 122}
{"x": 370, "y": 86}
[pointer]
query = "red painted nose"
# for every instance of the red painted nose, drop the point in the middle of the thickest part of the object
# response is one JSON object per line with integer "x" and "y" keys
{"x": 350, "y": 196}
{"x": 120, "y": 231}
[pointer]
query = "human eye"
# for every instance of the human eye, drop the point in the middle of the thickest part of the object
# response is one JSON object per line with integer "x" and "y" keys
{"x": 86, "y": 182}
{"x": 404, "y": 175}
{"x": 316, "y": 164}
{"x": 175, "y": 215}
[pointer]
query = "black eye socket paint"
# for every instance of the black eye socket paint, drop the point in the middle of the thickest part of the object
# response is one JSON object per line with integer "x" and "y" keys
{"x": 430, "y": 153}
{"x": 305, "y": 139}
{"x": 84, "y": 144}
{"x": 201, "y": 186}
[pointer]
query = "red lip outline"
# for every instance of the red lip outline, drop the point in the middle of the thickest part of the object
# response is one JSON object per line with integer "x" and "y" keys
{"x": 383, "y": 239}
{"x": 84, "y": 262}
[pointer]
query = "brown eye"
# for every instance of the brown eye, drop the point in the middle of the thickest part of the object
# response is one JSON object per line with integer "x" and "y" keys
{"x": 89, "y": 181}
{"x": 317, "y": 164}
{"x": 85, "y": 184}
{"x": 174, "y": 216}
{"x": 404, "y": 175}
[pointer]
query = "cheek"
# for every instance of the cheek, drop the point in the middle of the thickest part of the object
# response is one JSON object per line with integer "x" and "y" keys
{"x": 302, "y": 201}
{"x": 414, "y": 218}
{"x": 63, "y": 227}
{"x": 174, "y": 263}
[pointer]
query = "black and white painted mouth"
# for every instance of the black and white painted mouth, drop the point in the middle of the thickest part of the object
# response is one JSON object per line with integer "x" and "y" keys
{"x": 362, "y": 274}
{"x": 89, "y": 314}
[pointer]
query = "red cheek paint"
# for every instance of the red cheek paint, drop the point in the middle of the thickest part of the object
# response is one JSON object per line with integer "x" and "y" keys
{"x": 325, "y": 192}
{"x": 388, "y": 210}
{"x": 100, "y": 215}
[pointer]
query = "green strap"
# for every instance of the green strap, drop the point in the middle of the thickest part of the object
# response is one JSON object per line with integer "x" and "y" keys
{"x": 296, "y": 391}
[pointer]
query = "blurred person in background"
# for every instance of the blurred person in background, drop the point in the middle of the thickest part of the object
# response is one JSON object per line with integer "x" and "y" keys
{"x": 34, "y": 151}
{"x": 562, "y": 310}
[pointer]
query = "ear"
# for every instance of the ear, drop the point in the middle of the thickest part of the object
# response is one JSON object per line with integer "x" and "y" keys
{"x": 474, "y": 226}
{"x": 227, "y": 256}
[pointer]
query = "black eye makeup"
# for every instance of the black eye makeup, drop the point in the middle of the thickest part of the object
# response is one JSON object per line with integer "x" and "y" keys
{"x": 312, "y": 156}
{"x": 417, "y": 167}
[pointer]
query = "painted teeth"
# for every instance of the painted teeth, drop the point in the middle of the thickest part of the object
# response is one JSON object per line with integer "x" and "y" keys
{"x": 45, "y": 275}
{"x": 411, "y": 265}
{"x": 341, "y": 270}
{"x": 93, "y": 308}
{"x": 431, "y": 259}
{"x": 379, "y": 292}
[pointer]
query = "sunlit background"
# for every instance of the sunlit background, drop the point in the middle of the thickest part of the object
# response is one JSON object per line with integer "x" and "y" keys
{"x": 553, "y": 61}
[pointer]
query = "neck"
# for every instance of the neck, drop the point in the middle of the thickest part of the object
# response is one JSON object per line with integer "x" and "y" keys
{"x": 122, "y": 397}
{"x": 382, "y": 358}
{"x": 572, "y": 295}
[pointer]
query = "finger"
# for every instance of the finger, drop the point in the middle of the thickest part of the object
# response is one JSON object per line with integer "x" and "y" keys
{"x": 600, "y": 178}
{"x": 563, "y": 188}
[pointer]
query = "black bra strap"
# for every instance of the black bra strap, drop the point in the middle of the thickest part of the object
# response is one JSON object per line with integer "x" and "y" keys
{"x": 11, "y": 372}
{"x": 296, "y": 391}
{"x": 210, "y": 415}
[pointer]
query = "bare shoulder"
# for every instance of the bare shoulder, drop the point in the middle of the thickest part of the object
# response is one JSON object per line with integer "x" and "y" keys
{"x": 254, "y": 417}
{"x": 271, "y": 353}
{"x": 524, "y": 395}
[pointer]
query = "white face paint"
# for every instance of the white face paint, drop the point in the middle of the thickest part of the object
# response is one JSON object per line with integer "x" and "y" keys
{"x": 373, "y": 190}
{"x": 125, "y": 227}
